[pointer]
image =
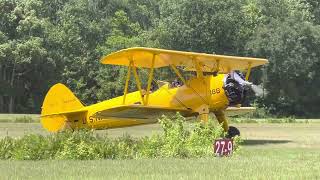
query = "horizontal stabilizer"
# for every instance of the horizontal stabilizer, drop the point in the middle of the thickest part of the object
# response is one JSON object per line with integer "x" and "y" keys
{"x": 65, "y": 113}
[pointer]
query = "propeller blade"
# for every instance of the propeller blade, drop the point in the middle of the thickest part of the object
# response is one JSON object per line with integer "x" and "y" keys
{"x": 258, "y": 91}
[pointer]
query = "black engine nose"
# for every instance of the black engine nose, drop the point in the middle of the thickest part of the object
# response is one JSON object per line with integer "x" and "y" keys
{"x": 234, "y": 91}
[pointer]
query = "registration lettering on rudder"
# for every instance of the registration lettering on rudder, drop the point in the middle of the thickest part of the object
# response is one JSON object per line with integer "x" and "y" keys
{"x": 223, "y": 147}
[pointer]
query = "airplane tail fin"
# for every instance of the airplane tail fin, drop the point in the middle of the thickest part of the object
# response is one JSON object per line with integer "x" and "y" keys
{"x": 58, "y": 104}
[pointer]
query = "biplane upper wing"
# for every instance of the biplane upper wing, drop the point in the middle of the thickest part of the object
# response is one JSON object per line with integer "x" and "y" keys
{"x": 143, "y": 57}
{"x": 234, "y": 111}
{"x": 140, "y": 112}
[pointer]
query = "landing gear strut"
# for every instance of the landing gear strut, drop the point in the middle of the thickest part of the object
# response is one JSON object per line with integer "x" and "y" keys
{"x": 232, "y": 132}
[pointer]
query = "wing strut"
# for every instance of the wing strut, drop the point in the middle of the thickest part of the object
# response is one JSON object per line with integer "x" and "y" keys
{"x": 127, "y": 83}
{"x": 218, "y": 66}
{"x": 138, "y": 82}
{"x": 198, "y": 68}
{"x": 248, "y": 72}
{"x": 176, "y": 98}
{"x": 150, "y": 79}
{"x": 185, "y": 82}
{"x": 178, "y": 73}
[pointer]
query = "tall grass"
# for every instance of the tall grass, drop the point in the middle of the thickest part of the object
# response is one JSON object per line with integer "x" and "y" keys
{"x": 175, "y": 141}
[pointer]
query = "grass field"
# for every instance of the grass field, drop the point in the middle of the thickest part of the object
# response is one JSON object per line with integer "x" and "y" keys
{"x": 23, "y": 118}
{"x": 270, "y": 151}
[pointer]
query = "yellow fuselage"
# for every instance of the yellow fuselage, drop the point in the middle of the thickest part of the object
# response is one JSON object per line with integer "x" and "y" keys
{"x": 197, "y": 92}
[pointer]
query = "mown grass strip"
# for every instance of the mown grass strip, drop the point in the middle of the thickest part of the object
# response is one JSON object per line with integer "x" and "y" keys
{"x": 19, "y": 118}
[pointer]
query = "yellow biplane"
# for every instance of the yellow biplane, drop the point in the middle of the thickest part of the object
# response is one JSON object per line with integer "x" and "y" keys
{"x": 213, "y": 89}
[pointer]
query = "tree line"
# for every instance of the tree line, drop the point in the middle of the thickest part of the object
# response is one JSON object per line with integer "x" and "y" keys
{"x": 45, "y": 42}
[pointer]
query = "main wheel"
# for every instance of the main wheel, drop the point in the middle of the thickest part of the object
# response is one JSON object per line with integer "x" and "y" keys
{"x": 232, "y": 132}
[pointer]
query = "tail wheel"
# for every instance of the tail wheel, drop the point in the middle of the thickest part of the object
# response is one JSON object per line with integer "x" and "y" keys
{"x": 232, "y": 132}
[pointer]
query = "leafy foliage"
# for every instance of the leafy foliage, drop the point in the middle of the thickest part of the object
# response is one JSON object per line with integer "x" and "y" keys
{"x": 175, "y": 141}
{"x": 45, "y": 42}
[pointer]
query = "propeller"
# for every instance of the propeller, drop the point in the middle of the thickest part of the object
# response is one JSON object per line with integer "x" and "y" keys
{"x": 258, "y": 90}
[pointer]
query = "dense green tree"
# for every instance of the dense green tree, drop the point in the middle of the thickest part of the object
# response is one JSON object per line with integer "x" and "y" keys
{"x": 45, "y": 42}
{"x": 314, "y": 8}
{"x": 290, "y": 42}
{"x": 24, "y": 58}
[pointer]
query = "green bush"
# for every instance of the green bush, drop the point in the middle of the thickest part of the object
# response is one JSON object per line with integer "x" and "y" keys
{"x": 6, "y": 147}
{"x": 175, "y": 141}
{"x": 79, "y": 145}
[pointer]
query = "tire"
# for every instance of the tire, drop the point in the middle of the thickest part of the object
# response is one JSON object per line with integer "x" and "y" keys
{"x": 232, "y": 132}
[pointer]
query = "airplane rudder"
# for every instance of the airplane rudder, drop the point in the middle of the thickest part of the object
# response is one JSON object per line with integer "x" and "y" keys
{"x": 59, "y": 99}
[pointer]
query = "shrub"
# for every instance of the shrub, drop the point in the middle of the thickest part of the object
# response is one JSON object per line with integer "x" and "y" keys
{"x": 76, "y": 145}
{"x": 175, "y": 141}
{"x": 174, "y": 137}
{"x": 6, "y": 147}
{"x": 30, "y": 147}
{"x": 201, "y": 138}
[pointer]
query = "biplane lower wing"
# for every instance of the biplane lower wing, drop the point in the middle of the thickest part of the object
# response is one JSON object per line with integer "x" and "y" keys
{"x": 234, "y": 111}
{"x": 149, "y": 114}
